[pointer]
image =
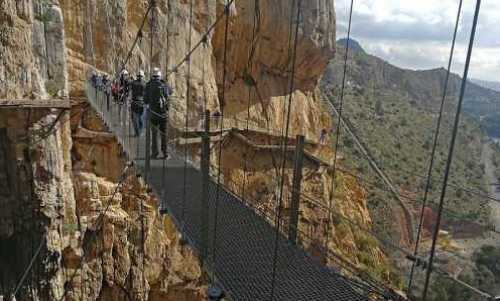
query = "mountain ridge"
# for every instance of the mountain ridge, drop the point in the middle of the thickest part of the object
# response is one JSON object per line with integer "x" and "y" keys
{"x": 423, "y": 86}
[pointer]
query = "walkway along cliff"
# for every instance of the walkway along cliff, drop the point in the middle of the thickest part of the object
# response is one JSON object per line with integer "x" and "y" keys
{"x": 73, "y": 174}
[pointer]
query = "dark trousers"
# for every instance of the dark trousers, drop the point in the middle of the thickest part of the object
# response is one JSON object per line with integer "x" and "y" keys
{"x": 107, "y": 100}
{"x": 137, "y": 122}
{"x": 158, "y": 126}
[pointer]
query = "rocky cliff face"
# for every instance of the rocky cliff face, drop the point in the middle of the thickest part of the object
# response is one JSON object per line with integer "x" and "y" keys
{"x": 107, "y": 262}
{"x": 55, "y": 185}
{"x": 101, "y": 33}
{"x": 36, "y": 198}
{"x": 32, "y": 52}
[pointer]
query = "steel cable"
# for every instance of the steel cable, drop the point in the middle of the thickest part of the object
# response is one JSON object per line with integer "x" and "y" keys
{"x": 222, "y": 104}
{"x": 188, "y": 97}
{"x": 337, "y": 136}
{"x": 434, "y": 146}
{"x": 452, "y": 149}
{"x": 285, "y": 144}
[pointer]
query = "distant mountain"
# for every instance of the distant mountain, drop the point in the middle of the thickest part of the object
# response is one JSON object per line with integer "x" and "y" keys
{"x": 354, "y": 45}
{"x": 423, "y": 86}
{"x": 487, "y": 84}
{"x": 393, "y": 111}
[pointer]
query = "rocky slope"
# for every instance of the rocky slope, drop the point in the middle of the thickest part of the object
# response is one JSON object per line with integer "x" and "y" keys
{"x": 394, "y": 112}
{"x": 88, "y": 160}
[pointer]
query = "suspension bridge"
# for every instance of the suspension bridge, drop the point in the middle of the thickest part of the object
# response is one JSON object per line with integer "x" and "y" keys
{"x": 233, "y": 236}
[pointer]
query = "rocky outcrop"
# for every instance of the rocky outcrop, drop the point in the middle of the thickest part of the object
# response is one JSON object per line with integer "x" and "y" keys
{"x": 100, "y": 34}
{"x": 32, "y": 52}
{"x": 38, "y": 203}
{"x": 270, "y": 66}
{"x": 136, "y": 253}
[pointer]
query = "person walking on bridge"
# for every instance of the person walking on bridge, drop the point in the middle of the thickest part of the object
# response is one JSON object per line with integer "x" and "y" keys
{"x": 138, "y": 87}
{"x": 157, "y": 98}
{"x": 107, "y": 89}
{"x": 124, "y": 87}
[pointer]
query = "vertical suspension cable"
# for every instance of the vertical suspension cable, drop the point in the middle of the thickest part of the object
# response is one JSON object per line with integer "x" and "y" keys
{"x": 151, "y": 42}
{"x": 339, "y": 127}
{"x": 285, "y": 146}
{"x": 89, "y": 26}
{"x": 163, "y": 204}
{"x": 289, "y": 58}
{"x": 452, "y": 148}
{"x": 434, "y": 147}
{"x": 222, "y": 105}
{"x": 251, "y": 54}
{"x": 143, "y": 235}
{"x": 167, "y": 59}
{"x": 283, "y": 110}
{"x": 113, "y": 41}
{"x": 143, "y": 249}
{"x": 186, "y": 117}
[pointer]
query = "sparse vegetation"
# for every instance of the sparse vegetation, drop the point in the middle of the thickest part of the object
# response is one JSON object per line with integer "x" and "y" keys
{"x": 395, "y": 115}
{"x": 397, "y": 127}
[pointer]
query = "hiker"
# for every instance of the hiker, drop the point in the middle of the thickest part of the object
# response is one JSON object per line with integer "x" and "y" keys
{"x": 93, "y": 79}
{"x": 124, "y": 86}
{"x": 157, "y": 98}
{"x": 98, "y": 82}
{"x": 138, "y": 88}
{"x": 217, "y": 118}
{"x": 106, "y": 88}
{"x": 115, "y": 91}
{"x": 322, "y": 136}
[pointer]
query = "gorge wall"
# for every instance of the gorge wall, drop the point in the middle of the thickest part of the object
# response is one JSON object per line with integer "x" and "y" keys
{"x": 60, "y": 43}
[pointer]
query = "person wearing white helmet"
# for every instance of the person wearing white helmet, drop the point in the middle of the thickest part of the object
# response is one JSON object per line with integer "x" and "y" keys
{"x": 124, "y": 86}
{"x": 156, "y": 73}
{"x": 157, "y": 97}
{"x": 138, "y": 87}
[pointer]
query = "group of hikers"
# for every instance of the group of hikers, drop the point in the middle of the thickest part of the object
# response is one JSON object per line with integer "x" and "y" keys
{"x": 137, "y": 94}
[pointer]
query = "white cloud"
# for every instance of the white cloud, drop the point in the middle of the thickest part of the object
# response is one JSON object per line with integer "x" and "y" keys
{"x": 417, "y": 34}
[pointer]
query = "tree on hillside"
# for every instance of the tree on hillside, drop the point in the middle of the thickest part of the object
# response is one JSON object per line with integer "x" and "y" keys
{"x": 379, "y": 110}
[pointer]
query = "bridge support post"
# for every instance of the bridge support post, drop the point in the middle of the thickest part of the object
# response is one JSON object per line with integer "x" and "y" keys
{"x": 297, "y": 179}
{"x": 205, "y": 177}
{"x": 147, "y": 155}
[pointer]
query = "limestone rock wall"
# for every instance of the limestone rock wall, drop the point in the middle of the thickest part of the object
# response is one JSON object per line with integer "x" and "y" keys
{"x": 272, "y": 25}
{"x": 117, "y": 265}
{"x": 99, "y": 33}
{"x": 37, "y": 200}
{"x": 32, "y": 51}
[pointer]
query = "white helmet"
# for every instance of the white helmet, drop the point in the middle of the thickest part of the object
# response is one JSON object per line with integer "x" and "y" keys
{"x": 156, "y": 72}
{"x": 140, "y": 73}
{"x": 124, "y": 72}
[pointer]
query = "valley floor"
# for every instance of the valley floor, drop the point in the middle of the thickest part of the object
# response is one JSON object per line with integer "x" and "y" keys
{"x": 468, "y": 246}
{"x": 489, "y": 169}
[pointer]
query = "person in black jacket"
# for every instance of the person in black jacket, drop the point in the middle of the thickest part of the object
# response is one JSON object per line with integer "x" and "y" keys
{"x": 157, "y": 98}
{"x": 124, "y": 83}
{"x": 106, "y": 87}
{"x": 138, "y": 88}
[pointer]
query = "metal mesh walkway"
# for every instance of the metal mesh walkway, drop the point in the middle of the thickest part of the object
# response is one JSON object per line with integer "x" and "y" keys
{"x": 244, "y": 241}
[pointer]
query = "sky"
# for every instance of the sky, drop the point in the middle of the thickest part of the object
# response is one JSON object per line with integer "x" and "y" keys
{"x": 417, "y": 34}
